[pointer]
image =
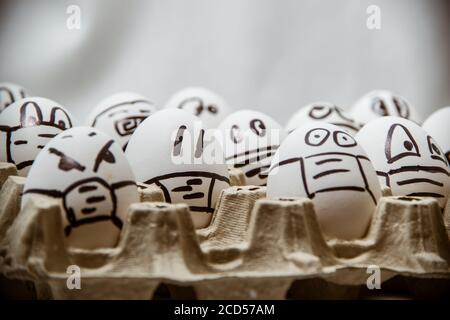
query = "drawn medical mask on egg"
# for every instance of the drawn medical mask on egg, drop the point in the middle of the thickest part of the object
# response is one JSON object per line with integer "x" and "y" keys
{"x": 405, "y": 156}
{"x": 85, "y": 179}
{"x": 123, "y": 118}
{"x": 324, "y": 172}
{"x": 23, "y": 139}
{"x": 188, "y": 148}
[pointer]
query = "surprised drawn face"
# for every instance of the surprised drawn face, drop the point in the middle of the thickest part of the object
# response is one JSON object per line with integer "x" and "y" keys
{"x": 26, "y": 126}
{"x": 201, "y": 102}
{"x": 89, "y": 173}
{"x": 120, "y": 114}
{"x": 10, "y": 93}
{"x": 382, "y": 103}
{"x": 249, "y": 140}
{"x": 406, "y": 158}
{"x": 326, "y": 112}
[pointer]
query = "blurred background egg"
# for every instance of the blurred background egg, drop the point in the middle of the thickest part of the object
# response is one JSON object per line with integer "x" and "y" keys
{"x": 26, "y": 126}
{"x": 10, "y": 93}
{"x": 381, "y": 103}
{"x": 94, "y": 182}
{"x": 324, "y": 163}
{"x": 437, "y": 125}
{"x": 120, "y": 114}
{"x": 249, "y": 140}
{"x": 201, "y": 102}
{"x": 326, "y": 112}
{"x": 407, "y": 159}
{"x": 171, "y": 150}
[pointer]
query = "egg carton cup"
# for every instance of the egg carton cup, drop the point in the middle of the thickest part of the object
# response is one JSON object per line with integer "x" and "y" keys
{"x": 254, "y": 248}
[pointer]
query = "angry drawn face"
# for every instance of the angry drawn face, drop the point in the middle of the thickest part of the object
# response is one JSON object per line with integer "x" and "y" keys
{"x": 26, "y": 126}
{"x": 249, "y": 140}
{"x": 89, "y": 173}
{"x": 10, "y": 93}
{"x": 168, "y": 150}
{"x": 406, "y": 158}
{"x": 120, "y": 114}
{"x": 326, "y": 112}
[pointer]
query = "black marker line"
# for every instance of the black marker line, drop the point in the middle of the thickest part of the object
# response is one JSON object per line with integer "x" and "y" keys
{"x": 50, "y": 193}
{"x": 328, "y": 160}
{"x": 192, "y": 182}
{"x": 285, "y": 162}
{"x": 384, "y": 175}
{"x": 88, "y": 210}
{"x": 366, "y": 183}
{"x": 188, "y": 174}
{"x": 210, "y": 191}
{"x": 182, "y": 189}
{"x": 196, "y": 195}
{"x": 387, "y": 147}
{"x": 438, "y": 158}
{"x": 19, "y": 142}
{"x": 95, "y": 199}
{"x": 328, "y": 172}
{"x": 337, "y": 153}
{"x": 92, "y": 134}
{"x": 432, "y": 169}
{"x": 257, "y": 150}
{"x": 426, "y": 194}
{"x": 352, "y": 188}
{"x": 420, "y": 180}
{"x": 47, "y": 135}
{"x": 24, "y": 164}
{"x": 201, "y": 209}
{"x": 66, "y": 163}
{"x": 87, "y": 189}
{"x": 118, "y": 105}
{"x": 123, "y": 183}
{"x": 104, "y": 155}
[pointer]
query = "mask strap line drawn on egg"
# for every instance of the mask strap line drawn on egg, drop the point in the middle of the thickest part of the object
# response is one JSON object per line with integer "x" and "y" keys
{"x": 196, "y": 180}
{"x": 25, "y": 123}
{"x": 70, "y": 215}
{"x": 309, "y": 193}
{"x": 118, "y": 105}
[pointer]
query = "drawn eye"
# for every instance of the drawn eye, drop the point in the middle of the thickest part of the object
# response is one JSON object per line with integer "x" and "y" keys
{"x": 60, "y": 118}
{"x": 258, "y": 127}
{"x": 379, "y": 107}
{"x": 402, "y": 107}
{"x": 178, "y": 141}
{"x": 235, "y": 134}
{"x": 341, "y": 113}
{"x": 212, "y": 109}
{"x": 319, "y": 112}
{"x": 400, "y": 143}
{"x": 436, "y": 152}
{"x": 195, "y": 103}
{"x": 317, "y": 137}
{"x": 30, "y": 114}
{"x": 343, "y": 139}
{"x": 104, "y": 155}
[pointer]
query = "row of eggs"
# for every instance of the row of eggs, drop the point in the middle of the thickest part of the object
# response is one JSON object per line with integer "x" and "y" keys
{"x": 324, "y": 157}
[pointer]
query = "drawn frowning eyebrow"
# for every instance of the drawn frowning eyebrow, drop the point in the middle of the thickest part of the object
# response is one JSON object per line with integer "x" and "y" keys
{"x": 104, "y": 155}
{"x": 66, "y": 163}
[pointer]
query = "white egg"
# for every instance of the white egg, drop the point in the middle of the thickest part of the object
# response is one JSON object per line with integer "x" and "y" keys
{"x": 120, "y": 114}
{"x": 406, "y": 158}
{"x": 26, "y": 126}
{"x": 249, "y": 140}
{"x": 171, "y": 149}
{"x": 322, "y": 162}
{"x": 10, "y": 93}
{"x": 94, "y": 182}
{"x": 201, "y": 102}
{"x": 326, "y": 112}
{"x": 437, "y": 125}
{"x": 380, "y": 103}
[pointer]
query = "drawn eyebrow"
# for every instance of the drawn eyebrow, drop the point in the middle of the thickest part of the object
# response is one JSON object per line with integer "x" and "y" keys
{"x": 105, "y": 155}
{"x": 66, "y": 163}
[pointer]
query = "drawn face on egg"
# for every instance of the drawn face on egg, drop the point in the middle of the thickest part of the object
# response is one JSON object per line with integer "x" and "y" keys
{"x": 10, "y": 93}
{"x": 120, "y": 114}
{"x": 406, "y": 158}
{"x": 437, "y": 126}
{"x": 94, "y": 182}
{"x": 26, "y": 126}
{"x": 168, "y": 150}
{"x": 250, "y": 139}
{"x": 326, "y": 112}
{"x": 201, "y": 102}
{"x": 381, "y": 103}
{"x": 322, "y": 162}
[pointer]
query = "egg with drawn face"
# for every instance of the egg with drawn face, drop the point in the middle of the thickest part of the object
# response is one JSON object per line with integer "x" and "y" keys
{"x": 382, "y": 103}
{"x": 26, "y": 126}
{"x": 171, "y": 150}
{"x": 201, "y": 102}
{"x": 250, "y": 139}
{"x": 322, "y": 162}
{"x": 406, "y": 158}
{"x": 120, "y": 114}
{"x": 437, "y": 126}
{"x": 10, "y": 93}
{"x": 89, "y": 173}
{"x": 326, "y": 112}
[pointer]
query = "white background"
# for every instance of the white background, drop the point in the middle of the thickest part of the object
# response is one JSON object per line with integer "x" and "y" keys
{"x": 273, "y": 56}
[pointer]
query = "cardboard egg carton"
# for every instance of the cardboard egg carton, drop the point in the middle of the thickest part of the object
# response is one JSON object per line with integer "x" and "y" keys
{"x": 254, "y": 248}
